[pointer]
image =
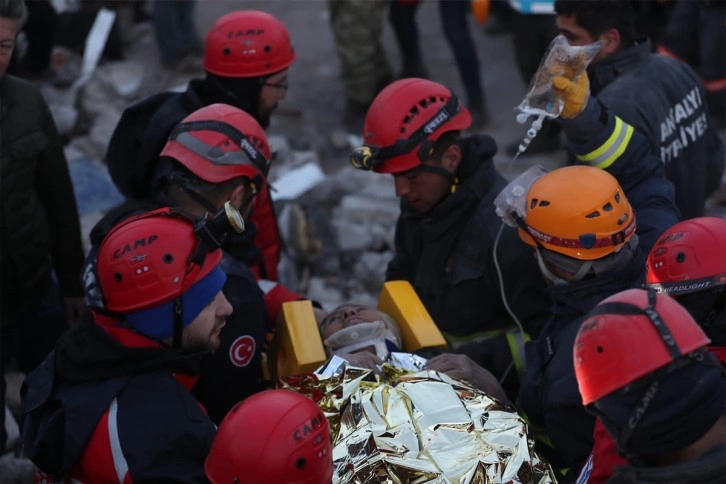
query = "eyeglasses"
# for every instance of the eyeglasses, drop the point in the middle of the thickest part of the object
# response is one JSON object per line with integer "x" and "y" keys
{"x": 281, "y": 85}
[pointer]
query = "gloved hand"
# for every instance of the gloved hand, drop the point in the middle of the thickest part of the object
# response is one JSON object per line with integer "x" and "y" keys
{"x": 574, "y": 94}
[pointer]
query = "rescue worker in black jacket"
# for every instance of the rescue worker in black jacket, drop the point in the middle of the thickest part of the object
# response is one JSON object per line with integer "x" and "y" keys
{"x": 218, "y": 154}
{"x": 472, "y": 275}
{"x": 590, "y": 235}
{"x": 111, "y": 403}
{"x": 661, "y": 97}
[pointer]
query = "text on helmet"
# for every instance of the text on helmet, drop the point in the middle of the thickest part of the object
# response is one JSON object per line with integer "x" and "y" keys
{"x": 307, "y": 428}
{"x": 142, "y": 242}
{"x": 432, "y": 125}
{"x": 244, "y": 33}
{"x": 248, "y": 148}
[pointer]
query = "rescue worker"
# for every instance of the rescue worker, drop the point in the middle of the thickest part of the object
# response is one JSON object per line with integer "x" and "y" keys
{"x": 659, "y": 96}
{"x": 277, "y": 437}
{"x": 479, "y": 285}
{"x": 643, "y": 368}
{"x": 582, "y": 225}
{"x": 686, "y": 263}
{"x": 217, "y": 154}
{"x": 246, "y": 61}
{"x": 111, "y": 403}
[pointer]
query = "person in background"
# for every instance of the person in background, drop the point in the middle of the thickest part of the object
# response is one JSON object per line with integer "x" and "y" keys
{"x": 454, "y": 15}
{"x": 41, "y": 253}
{"x": 174, "y": 29}
{"x": 357, "y": 29}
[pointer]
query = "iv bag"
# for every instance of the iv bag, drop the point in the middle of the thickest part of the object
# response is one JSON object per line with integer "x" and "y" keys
{"x": 561, "y": 59}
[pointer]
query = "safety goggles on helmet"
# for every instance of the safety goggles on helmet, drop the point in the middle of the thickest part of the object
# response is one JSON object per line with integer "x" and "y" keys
{"x": 249, "y": 155}
{"x": 368, "y": 157}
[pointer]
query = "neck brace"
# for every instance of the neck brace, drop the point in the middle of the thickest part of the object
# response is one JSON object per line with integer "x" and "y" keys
{"x": 362, "y": 335}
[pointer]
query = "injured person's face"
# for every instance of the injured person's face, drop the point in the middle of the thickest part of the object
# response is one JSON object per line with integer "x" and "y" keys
{"x": 351, "y": 328}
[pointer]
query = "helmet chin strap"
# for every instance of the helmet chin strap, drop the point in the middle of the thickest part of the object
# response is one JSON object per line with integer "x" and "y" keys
{"x": 437, "y": 170}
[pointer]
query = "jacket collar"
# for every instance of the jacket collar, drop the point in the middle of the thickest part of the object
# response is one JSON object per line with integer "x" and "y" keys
{"x": 607, "y": 70}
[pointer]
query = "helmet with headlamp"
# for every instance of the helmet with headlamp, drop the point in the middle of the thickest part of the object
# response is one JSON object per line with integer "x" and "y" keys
{"x": 404, "y": 121}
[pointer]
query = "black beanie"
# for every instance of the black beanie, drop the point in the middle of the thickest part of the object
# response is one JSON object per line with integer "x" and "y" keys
{"x": 687, "y": 403}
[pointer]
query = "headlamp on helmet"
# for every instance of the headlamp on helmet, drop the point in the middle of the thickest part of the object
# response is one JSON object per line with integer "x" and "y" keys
{"x": 404, "y": 121}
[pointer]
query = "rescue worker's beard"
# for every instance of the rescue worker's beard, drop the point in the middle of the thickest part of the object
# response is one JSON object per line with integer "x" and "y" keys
{"x": 200, "y": 342}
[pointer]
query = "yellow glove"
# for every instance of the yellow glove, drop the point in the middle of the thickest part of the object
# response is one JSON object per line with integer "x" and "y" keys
{"x": 574, "y": 94}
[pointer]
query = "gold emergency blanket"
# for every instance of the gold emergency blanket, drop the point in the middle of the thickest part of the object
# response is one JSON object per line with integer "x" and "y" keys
{"x": 420, "y": 427}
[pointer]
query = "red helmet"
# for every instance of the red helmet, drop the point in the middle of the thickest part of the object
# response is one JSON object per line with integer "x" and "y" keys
{"x": 247, "y": 43}
{"x": 151, "y": 259}
{"x": 402, "y": 123}
{"x": 276, "y": 437}
{"x": 689, "y": 257}
{"x": 628, "y": 336}
{"x": 220, "y": 142}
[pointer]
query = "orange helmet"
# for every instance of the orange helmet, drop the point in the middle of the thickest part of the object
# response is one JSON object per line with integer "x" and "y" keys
{"x": 277, "y": 437}
{"x": 402, "y": 123}
{"x": 605, "y": 354}
{"x": 577, "y": 211}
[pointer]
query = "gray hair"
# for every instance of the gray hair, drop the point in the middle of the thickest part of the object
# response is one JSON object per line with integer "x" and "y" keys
{"x": 14, "y": 10}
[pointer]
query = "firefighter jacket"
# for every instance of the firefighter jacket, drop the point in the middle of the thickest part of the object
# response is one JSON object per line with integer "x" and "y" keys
{"x": 105, "y": 406}
{"x": 664, "y": 100}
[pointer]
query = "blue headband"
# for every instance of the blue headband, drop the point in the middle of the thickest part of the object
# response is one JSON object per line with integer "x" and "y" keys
{"x": 158, "y": 322}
